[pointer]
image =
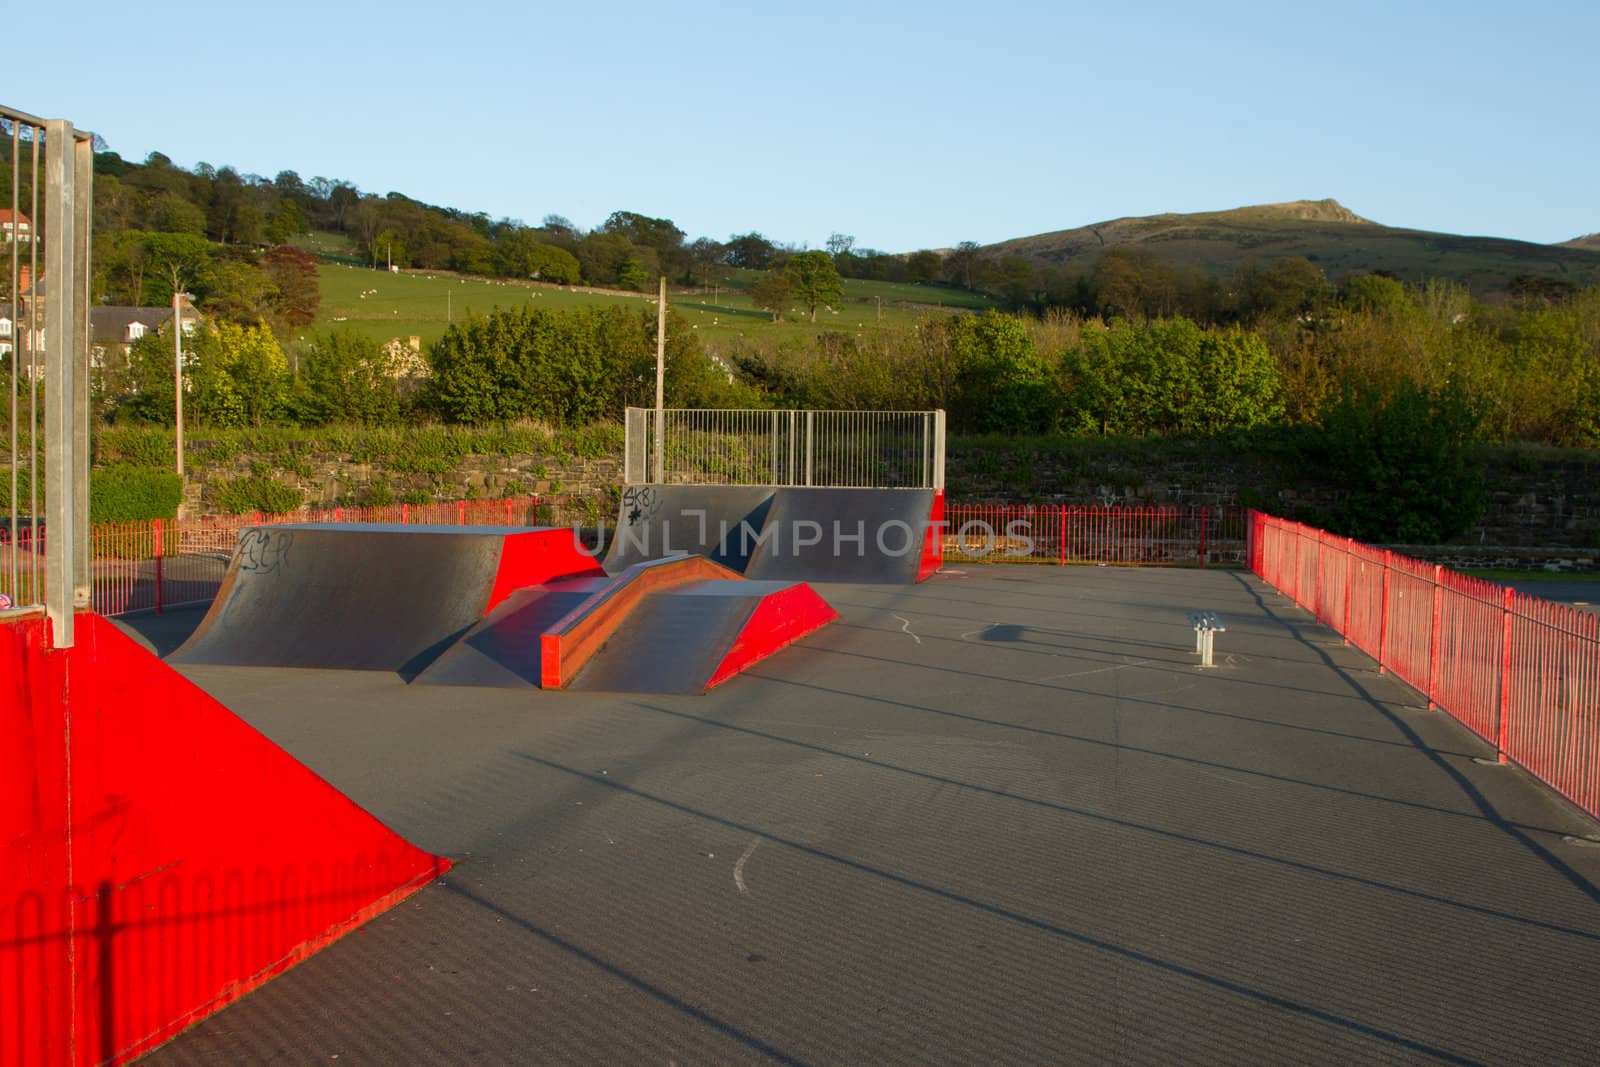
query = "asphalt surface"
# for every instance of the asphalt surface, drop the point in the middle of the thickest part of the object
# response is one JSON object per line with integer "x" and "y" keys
{"x": 998, "y": 817}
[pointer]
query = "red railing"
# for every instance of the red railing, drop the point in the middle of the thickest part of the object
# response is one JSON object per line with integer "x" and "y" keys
{"x": 1520, "y": 672}
{"x": 1061, "y": 534}
{"x": 141, "y": 566}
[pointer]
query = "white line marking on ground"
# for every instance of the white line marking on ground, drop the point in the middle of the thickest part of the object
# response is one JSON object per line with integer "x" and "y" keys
{"x": 1097, "y": 670}
{"x": 905, "y": 628}
{"x": 738, "y": 868}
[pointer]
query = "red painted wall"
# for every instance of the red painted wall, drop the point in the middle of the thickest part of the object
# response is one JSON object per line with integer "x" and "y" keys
{"x": 159, "y": 857}
{"x": 781, "y": 619}
{"x": 933, "y": 545}
{"x": 536, "y": 557}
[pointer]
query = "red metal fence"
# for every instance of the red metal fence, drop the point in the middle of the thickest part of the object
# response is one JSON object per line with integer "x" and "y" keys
{"x": 1061, "y": 534}
{"x": 139, "y": 566}
{"x": 1520, "y": 672}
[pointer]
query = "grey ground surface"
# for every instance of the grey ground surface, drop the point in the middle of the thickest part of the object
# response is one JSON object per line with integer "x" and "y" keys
{"x": 1583, "y": 595}
{"x": 998, "y": 817}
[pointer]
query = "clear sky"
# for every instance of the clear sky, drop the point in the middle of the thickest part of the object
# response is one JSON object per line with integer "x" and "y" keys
{"x": 905, "y": 125}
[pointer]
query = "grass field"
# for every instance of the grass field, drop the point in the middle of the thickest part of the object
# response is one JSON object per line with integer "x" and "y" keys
{"x": 381, "y": 304}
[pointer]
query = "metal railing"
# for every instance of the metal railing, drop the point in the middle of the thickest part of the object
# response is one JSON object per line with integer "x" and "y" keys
{"x": 1520, "y": 672}
{"x": 1069, "y": 533}
{"x": 839, "y": 449}
{"x": 44, "y": 352}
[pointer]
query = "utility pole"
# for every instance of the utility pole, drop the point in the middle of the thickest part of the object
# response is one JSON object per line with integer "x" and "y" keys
{"x": 177, "y": 367}
{"x": 661, "y": 372}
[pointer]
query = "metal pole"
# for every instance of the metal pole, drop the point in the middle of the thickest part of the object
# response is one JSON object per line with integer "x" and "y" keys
{"x": 661, "y": 376}
{"x": 1434, "y": 639}
{"x": 1502, "y": 731}
{"x": 177, "y": 370}
{"x": 61, "y": 320}
{"x": 83, "y": 195}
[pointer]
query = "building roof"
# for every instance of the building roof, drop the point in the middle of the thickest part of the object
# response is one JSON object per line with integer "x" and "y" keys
{"x": 110, "y": 323}
{"x": 7, "y": 215}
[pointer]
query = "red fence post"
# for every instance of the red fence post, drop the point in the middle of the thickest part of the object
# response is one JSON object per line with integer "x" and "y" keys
{"x": 1434, "y": 649}
{"x": 461, "y": 513}
{"x": 1501, "y": 730}
{"x": 1061, "y": 537}
{"x": 1349, "y": 583}
{"x": 508, "y": 511}
{"x": 1383, "y": 618}
{"x": 158, "y": 566}
{"x": 1203, "y": 536}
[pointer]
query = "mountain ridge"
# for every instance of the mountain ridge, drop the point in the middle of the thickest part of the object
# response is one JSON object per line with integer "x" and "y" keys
{"x": 1335, "y": 238}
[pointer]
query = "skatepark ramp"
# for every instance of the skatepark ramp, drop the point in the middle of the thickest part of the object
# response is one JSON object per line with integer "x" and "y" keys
{"x": 827, "y": 496}
{"x": 490, "y": 606}
{"x": 799, "y": 533}
{"x": 677, "y": 625}
{"x": 159, "y": 858}
{"x": 375, "y": 597}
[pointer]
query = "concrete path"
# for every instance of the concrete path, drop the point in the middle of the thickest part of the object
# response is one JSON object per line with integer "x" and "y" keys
{"x": 1001, "y": 817}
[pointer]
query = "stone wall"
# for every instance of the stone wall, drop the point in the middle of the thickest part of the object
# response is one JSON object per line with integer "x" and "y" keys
{"x": 578, "y": 490}
{"x": 1533, "y": 503}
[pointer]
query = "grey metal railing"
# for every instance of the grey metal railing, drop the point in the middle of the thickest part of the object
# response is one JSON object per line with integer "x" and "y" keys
{"x": 44, "y": 353}
{"x": 728, "y": 446}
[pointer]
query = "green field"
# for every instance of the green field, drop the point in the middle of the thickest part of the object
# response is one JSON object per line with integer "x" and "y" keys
{"x": 382, "y": 304}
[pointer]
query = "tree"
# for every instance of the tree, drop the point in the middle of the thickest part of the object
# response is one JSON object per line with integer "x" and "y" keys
{"x": 750, "y": 250}
{"x": 815, "y": 280}
{"x": 297, "y": 293}
{"x": 773, "y": 291}
{"x": 840, "y": 244}
{"x": 1407, "y": 456}
{"x": 924, "y": 266}
{"x": 177, "y": 260}
{"x": 961, "y": 266}
{"x": 1002, "y": 384}
{"x": 601, "y": 255}
{"x": 236, "y": 290}
{"x": 706, "y": 255}
{"x": 560, "y": 367}
{"x": 523, "y": 255}
{"x": 233, "y": 375}
{"x": 660, "y": 234}
{"x": 347, "y": 376}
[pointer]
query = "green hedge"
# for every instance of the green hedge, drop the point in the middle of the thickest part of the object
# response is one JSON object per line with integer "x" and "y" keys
{"x": 128, "y": 493}
{"x": 258, "y": 492}
{"x": 24, "y": 482}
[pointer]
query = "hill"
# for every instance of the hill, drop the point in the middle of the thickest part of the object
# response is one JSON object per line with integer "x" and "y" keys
{"x": 418, "y": 303}
{"x": 1587, "y": 241}
{"x": 1332, "y": 236}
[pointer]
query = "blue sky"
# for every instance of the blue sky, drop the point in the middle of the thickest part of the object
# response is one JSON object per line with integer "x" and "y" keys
{"x": 906, "y": 126}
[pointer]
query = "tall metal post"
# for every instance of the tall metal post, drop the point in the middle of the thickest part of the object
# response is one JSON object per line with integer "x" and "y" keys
{"x": 82, "y": 241}
{"x": 661, "y": 376}
{"x": 63, "y": 365}
{"x": 177, "y": 369}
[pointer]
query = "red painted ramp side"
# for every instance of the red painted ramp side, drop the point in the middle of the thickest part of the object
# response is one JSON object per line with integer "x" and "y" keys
{"x": 577, "y": 636}
{"x": 35, "y": 901}
{"x": 203, "y": 859}
{"x": 933, "y": 546}
{"x": 782, "y": 617}
{"x": 534, "y": 557}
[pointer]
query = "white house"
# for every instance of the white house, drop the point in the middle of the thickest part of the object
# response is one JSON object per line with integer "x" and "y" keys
{"x": 14, "y": 226}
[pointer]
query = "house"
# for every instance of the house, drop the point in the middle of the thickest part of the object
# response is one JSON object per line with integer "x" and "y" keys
{"x": 119, "y": 327}
{"x": 14, "y": 226}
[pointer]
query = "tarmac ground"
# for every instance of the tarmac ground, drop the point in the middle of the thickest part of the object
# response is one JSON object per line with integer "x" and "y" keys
{"x": 1002, "y": 816}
